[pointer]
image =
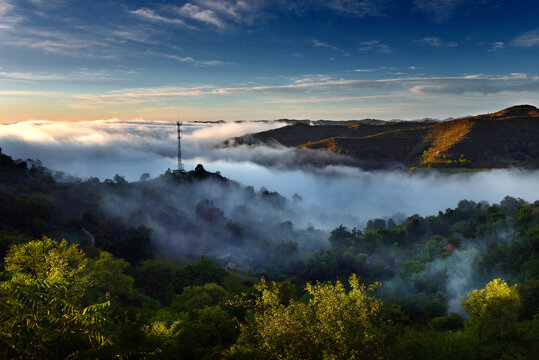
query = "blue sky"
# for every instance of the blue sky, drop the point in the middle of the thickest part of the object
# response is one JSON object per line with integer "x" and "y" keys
{"x": 228, "y": 59}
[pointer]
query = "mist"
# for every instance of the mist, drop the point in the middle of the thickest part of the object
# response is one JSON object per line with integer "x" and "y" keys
{"x": 331, "y": 195}
{"x": 259, "y": 208}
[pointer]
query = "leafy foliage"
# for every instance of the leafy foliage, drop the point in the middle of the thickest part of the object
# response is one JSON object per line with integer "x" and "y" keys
{"x": 333, "y": 324}
{"x": 42, "y": 315}
{"x": 493, "y": 311}
{"x": 109, "y": 292}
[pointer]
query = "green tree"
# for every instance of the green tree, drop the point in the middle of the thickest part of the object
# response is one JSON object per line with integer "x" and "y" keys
{"x": 214, "y": 330}
{"x": 375, "y": 224}
{"x": 372, "y": 241}
{"x": 200, "y": 273}
{"x": 135, "y": 246}
{"x": 429, "y": 344}
{"x": 157, "y": 279}
{"x": 493, "y": 311}
{"x": 333, "y": 324}
{"x": 108, "y": 279}
{"x": 341, "y": 237}
{"x": 196, "y": 297}
{"x": 42, "y": 315}
{"x": 435, "y": 246}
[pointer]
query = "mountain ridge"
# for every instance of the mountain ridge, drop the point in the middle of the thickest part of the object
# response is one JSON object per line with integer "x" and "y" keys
{"x": 505, "y": 138}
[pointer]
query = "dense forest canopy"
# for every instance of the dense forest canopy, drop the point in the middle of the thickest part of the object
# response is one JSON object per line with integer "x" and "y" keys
{"x": 194, "y": 266}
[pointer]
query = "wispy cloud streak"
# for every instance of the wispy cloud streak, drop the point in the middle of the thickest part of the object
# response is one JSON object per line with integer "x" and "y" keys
{"x": 527, "y": 40}
{"x": 469, "y": 84}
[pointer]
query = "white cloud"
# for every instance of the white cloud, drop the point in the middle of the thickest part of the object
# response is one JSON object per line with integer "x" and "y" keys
{"x": 151, "y": 15}
{"x": 104, "y": 148}
{"x": 5, "y": 7}
{"x": 25, "y": 76}
{"x": 527, "y": 40}
{"x": 7, "y": 18}
{"x": 191, "y": 60}
{"x": 358, "y": 8}
{"x": 138, "y": 35}
{"x": 434, "y": 41}
{"x": 74, "y": 44}
{"x": 312, "y": 78}
{"x": 225, "y": 14}
{"x": 78, "y": 75}
{"x": 498, "y": 45}
{"x": 441, "y": 9}
{"x": 317, "y": 88}
{"x": 317, "y": 43}
{"x": 204, "y": 15}
{"x": 238, "y": 11}
{"x": 28, "y": 93}
{"x": 375, "y": 45}
{"x": 364, "y": 70}
{"x": 325, "y": 84}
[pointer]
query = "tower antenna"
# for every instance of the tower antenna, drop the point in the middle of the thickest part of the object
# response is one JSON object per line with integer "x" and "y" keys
{"x": 180, "y": 163}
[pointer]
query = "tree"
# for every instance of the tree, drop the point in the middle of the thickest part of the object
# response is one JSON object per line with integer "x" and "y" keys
{"x": 493, "y": 311}
{"x": 510, "y": 205}
{"x": 150, "y": 271}
{"x": 523, "y": 216}
{"x": 375, "y": 224}
{"x": 200, "y": 273}
{"x": 429, "y": 344}
{"x": 207, "y": 211}
{"x": 214, "y": 331}
{"x": 135, "y": 246}
{"x": 415, "y": 227}
{"x": 333, "y": 324}
{"x": 31, "y": 213}
{"x": 494, "y": 215}
{"x": 120, "y": 180}
{"x": 341, "y": 237}
{"x": 372, "y": 241}
{"x": 197, "y": 297}
{"x": 42, "y": 313}
{"x": 108, "y": 279}
{"x": 144, "y": 177}
{"x": 435, "y": 246}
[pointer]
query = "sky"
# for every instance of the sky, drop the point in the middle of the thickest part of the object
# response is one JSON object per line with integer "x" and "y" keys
{"x": 80, "y": 60}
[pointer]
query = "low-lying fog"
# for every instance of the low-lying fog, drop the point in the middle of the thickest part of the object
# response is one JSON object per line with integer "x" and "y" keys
{"x": 107, "y": 147}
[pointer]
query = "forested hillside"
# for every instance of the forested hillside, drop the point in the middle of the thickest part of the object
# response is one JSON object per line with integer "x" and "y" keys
{"x": 194, "y": 266}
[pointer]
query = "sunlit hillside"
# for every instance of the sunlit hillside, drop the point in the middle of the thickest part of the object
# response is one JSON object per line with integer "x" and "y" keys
{"x": 508, "y": 138}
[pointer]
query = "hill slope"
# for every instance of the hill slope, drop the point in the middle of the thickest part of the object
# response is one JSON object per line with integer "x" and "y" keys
{"x": 506, "y": 138}
{"x": 300, "y": 133}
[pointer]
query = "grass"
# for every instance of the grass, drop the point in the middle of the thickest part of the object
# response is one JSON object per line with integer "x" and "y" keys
{"x": 443, "y": 137}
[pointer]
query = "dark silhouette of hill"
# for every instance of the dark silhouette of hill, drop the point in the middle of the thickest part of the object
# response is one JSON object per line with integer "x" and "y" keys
{"x": 509, "y": 137}
{"x": 301, "y": 132}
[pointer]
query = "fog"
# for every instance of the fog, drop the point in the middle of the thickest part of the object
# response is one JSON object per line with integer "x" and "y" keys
{"x": 331, "y": 195}
{"x": 277, "y": 210}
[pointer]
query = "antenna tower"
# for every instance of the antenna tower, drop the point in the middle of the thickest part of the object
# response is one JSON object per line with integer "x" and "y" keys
{"x": 180, "y": 163}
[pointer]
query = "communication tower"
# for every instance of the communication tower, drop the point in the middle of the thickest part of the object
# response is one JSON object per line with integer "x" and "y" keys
{"x": 180, "y": 163}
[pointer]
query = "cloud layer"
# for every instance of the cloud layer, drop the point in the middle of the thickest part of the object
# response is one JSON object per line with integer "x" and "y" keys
{"x": 320, "y": 84}
{"x": 331, "y": 195}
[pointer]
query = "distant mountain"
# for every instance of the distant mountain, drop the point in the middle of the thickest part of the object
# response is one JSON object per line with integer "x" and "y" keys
{"x": 304, "y": 131}
{"x": 506, "y": 138}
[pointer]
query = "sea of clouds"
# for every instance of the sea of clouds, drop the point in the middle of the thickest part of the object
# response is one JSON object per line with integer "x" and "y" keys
{"x": 349, "y": 195}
